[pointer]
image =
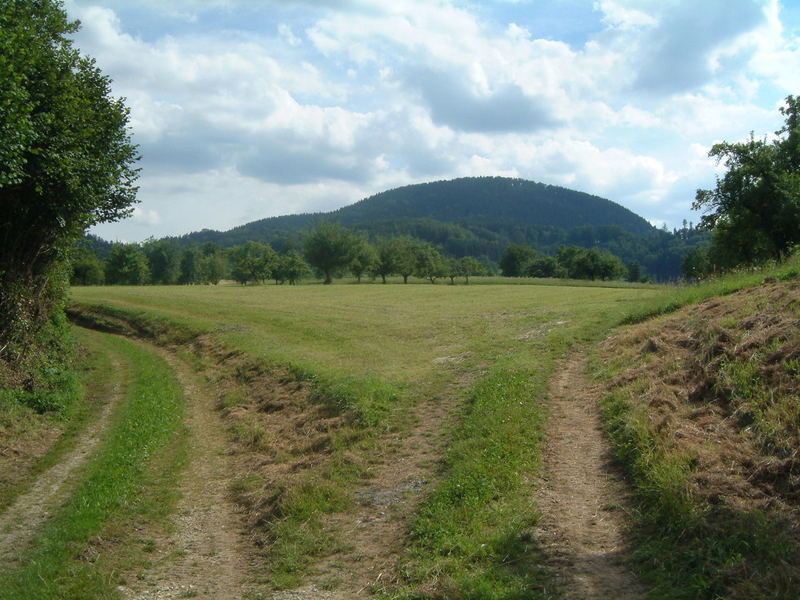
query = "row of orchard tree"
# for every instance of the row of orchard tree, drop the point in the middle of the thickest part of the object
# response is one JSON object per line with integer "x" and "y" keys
{"x": 327, "y": 251}
{"x": 330, "y": 251}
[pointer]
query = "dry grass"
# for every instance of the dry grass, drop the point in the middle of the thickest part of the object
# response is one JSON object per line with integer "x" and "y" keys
{"x": 704, "y": 408}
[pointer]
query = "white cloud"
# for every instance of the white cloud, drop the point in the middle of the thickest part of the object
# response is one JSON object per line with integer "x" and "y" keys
{"x": 302, "y": 106}
{"x": 145, "y": 216}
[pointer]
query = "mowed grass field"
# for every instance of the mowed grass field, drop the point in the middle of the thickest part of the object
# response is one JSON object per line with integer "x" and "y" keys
{"x": 492, "y": 347}
{"x": 404, "y": 334}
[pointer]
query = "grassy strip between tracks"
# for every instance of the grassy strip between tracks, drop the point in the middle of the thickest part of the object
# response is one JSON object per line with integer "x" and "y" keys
{"x": 80, "y": 551}
{"x": 470, "y": 539}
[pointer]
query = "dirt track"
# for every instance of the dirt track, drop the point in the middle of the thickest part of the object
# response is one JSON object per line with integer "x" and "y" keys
{"x": 582, "y": 497}
{"x": 205, "y": 556}
{"x": 19, "y": 523}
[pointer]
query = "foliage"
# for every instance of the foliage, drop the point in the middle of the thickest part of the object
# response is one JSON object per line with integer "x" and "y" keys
{"x": 252, "y": 262}
{"x": 385, "y": 263}
{"x": 364, "y": 258}
{"x": 189, "y": 267}
{"x": 86, "y": 268}
{"x": 291, "y": 267}
{"x": 754, "y": 210}
{"x": 127, "y": 265}
{"x": 515, "y": 260}
{"x": 429, "y": 263}
{"x": 330, "y": 248}
{"x": 212, "y": 265}
{"x": 66, "y": 162}
{"x": 164, "y": 260}
{"x": 573, "y": 262}
{"x": 405, "y": 255}
{"x": 469, "y": 266}
{"x": 580, "y": 263}
{"x": 696, "y": 264}
{"x": 545, "y": 266}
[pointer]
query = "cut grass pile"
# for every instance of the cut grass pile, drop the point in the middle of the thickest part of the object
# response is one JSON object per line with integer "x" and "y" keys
{"x": 129, "y": 478}
{"x": 703, "y": 411}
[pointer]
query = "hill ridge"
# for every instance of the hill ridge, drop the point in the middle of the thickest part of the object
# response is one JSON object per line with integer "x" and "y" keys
{"x": 478, "y": 206}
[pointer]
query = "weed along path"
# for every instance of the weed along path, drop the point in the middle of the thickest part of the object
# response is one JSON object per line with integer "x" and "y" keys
{"x": 204, "y": 555}
{"x": 581, "y": 497}
{"x": 19, "y": 523}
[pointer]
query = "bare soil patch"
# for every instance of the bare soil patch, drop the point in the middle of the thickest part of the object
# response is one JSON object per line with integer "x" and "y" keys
{"x": 582, "y": 496}
{"x": 20, "y": 521}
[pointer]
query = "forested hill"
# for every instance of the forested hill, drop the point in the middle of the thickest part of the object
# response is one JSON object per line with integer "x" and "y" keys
{"x": 495, "y": 204}
{"x": 482, "y": 216}
{"x": 488, "y": 200}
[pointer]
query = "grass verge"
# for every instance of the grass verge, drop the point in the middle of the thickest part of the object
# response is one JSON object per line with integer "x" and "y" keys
{"x": 702, "y": 413}
{"x": 86, "y": 390}
{"x": 685, "y": 295}
{"x": 688, "y": 548}
{"x": 129, "y": 478}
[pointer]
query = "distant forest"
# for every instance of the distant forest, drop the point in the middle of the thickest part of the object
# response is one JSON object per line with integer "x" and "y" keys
{"x": 480, "y": 217}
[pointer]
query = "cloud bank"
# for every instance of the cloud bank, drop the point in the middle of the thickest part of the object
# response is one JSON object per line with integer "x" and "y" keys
{"x": 244, "y": 110}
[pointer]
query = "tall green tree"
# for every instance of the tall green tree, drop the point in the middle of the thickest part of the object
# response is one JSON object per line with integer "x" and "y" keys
{"x": 253, "y": 261}
{"x": 86, "y": 268}
{"x": 66, "y": 161}
{"x": 544, "y": 266}
{"x": 291, "y": 267}
{"x": 211, "y": 268}
{"x": 329, "y": 248}
{"x": 385, "y": 264}
{"x": 189, "y": 270}
{"x": 754, "y": 209}
{"x": 469, "y": 266}
{"x": 127, "y": 265}
{"x": 430, "y": 264}
{"x": 404, "y": 249}
{"x": 364, "y": 258}
{"x": 164, "y": 258}
{"x": 515, "y": 260}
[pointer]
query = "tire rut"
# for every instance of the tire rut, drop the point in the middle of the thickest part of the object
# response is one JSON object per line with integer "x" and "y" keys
{"x": 582, "y": 496}
{"x": 20, "y": 521}
{"x": 205, "y": 556}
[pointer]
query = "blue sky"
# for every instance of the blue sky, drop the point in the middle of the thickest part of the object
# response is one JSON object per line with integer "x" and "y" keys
{"x": 250, "y": 109}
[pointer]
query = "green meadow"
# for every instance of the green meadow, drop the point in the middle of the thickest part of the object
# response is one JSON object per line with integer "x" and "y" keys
{"x": 405, "y": 334}
{"x": 491, "y": 346}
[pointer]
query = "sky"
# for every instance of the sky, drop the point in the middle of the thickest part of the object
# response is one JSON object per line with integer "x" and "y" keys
{"x": 249, "y": 109}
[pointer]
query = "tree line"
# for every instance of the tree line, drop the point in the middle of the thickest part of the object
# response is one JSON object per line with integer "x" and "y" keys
{"x": 569, "y": 262}
{"x": 328, "y": 251}
{"x": 67, "y": 162}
